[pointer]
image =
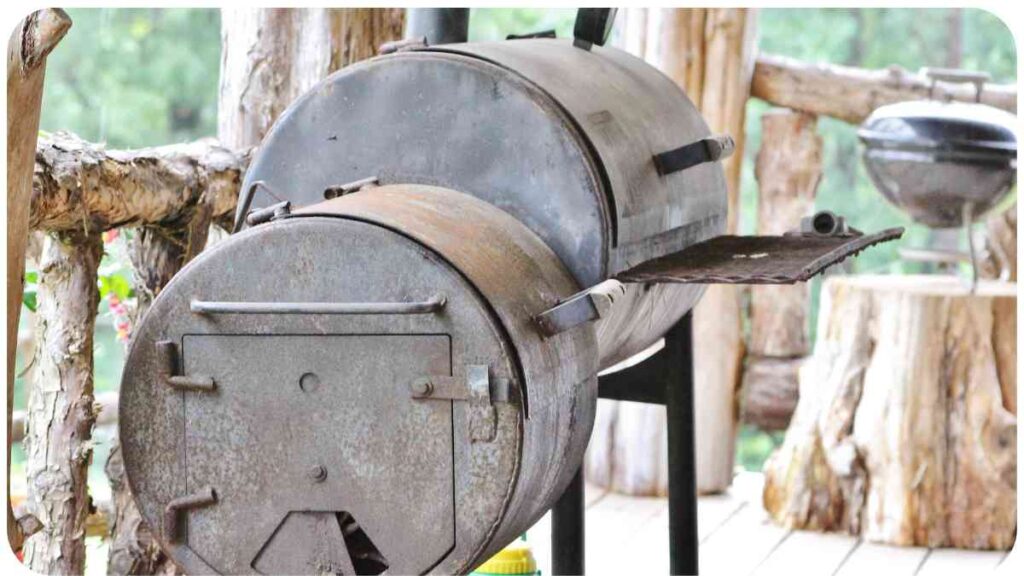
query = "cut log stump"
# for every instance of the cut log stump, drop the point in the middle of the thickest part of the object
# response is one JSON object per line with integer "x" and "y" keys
{"x": 905, "y": 431}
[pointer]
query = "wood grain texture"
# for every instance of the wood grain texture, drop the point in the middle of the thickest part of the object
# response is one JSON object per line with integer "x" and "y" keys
{"x": 83, "y": 187}
{"x": 901, "y": 433}
{"x": 27, "y": 48}
{"x": 852, "y": 94}
{"x": 788, "y": 171}
{"x": 61, "y": 412}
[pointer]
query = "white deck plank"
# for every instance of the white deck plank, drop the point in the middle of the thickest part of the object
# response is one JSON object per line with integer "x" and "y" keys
{"x": 871, "y": 558}
{"x": 950, "y": 562}
{"x": 628, "y": 535}
{"x": 742, "y": 544}
{"x": 808, "y": 554}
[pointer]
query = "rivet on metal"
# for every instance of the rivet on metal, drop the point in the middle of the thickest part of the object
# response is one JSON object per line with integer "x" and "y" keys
{"x": 318, "y": 473}
{"x": 422, "y": 387}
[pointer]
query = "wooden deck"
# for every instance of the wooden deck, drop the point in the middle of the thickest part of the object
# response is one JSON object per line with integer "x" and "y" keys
{"x": 627, "y": 535}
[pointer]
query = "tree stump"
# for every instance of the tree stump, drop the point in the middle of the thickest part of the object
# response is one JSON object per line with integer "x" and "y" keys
{"x": 906, "y": 427}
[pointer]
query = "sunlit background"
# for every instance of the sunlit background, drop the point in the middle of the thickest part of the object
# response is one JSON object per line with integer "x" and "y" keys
{"x": 144, "y": 77}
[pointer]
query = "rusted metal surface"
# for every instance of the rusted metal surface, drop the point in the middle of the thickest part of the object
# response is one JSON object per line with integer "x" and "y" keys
{"x": 628, "y": 112}
{"x": 755, "y": 259}
{"x": 520, "y": 277}
{"x": 296, "y": 392}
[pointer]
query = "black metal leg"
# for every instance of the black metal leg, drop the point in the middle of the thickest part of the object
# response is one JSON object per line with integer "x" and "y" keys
{"x": 567, "y": 530}
{"x": 682, "y": 465}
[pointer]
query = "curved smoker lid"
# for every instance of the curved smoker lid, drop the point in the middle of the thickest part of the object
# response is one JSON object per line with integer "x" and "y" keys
{"x": 941, "y": 126}
{"x": 629, "y": 112}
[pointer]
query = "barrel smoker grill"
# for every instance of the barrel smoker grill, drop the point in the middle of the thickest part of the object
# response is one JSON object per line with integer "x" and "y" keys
{"x": 400, "y": 374}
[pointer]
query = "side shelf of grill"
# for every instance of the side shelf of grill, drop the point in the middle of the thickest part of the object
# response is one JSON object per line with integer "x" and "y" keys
{"x": 820, "y": 242}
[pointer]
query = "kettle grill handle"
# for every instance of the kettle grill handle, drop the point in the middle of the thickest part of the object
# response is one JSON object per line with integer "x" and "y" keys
{"x": 956, "y": 76}
{"x": 434, "y": 304}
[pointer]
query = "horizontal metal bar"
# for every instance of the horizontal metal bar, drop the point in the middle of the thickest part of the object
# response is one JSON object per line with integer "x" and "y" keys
{"x": 434, "y": 304}
{"x": 195, "y": 383}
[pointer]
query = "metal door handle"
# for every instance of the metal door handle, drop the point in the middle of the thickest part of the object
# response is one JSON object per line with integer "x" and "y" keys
{"x": 429, "y": 306}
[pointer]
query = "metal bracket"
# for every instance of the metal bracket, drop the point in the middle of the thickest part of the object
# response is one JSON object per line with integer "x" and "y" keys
{"x": 272, "y": 212}
{"x": 167, "y": 353}
{"x": 335, "y": 191}
{"x": 479, "y": 389}
{"x": 402, "y": 45}
{"x": 586, "y": 306}
{"x": 204, "y": 497}
{"x": 710, "y": 149}
{"x": 532, "y": 35}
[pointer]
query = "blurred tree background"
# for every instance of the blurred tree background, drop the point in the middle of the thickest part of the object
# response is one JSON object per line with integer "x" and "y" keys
{"x": 144, "y": 77}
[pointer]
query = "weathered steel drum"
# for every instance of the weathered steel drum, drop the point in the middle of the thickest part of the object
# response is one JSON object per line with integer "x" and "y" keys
{"x": 561, "y": 138}
{"x": 401, "y": 411}
{"x": 361, "y": 384}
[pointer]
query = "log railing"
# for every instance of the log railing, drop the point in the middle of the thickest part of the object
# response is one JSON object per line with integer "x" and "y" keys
{"x": 172, "y": 194}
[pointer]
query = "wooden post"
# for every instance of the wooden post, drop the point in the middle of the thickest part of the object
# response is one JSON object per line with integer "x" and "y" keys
{"x": 788, "y": 171}
{"x": 27, "y": 48}
{"x": 60, "y": 407}
{"x": 851, "y": 94}
{"x": 903, "y": 433}
{"x": 272, "y": 55}
{"x": 710, "y": 54}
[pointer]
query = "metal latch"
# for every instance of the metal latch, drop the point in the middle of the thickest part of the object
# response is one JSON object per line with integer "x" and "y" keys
{"x": 479, "y": 389}
{"x": 167, "y": 355}
{"x": 204, "y": 497}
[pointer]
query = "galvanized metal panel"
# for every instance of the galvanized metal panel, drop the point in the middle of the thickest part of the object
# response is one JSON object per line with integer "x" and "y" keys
{"x": 444, "y": 120}
{"x": 629, "y": 112}
{"x": 286, "y": 405}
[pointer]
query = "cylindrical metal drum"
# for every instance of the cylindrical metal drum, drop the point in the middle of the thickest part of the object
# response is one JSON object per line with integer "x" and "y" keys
{"x": 561, "y": 138}
{"x": 357, "y": 387}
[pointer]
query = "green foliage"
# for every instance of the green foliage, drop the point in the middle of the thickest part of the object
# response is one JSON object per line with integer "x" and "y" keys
{"x": 497, "y": 23}
{"x": 28, "y": 297}
{"x": 135, "y": 77}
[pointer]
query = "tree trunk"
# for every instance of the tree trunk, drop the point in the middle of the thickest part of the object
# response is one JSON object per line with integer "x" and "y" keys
{"x": 903, "y": 433}
{"x": 851, "y": 94}
{"x": 788, "y": 171}
{"x": 270, "y": 56}
{"x": 29, "y": 44}
{"x": 999, "y": 252}
{"x": 709, "y": 53}
{"x": 60, "y": 407}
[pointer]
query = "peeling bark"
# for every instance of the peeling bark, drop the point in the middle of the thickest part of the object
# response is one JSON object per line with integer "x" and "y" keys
{"x": 852, "y": 94}
{"x": 32, "y": 40}
{"x": 61, "y": 412}
{"x": 82, "y": 187}
{"x": 902, "y": 433}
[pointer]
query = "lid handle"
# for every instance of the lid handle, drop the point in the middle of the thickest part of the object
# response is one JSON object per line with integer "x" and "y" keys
{"x": 956, "y": 76}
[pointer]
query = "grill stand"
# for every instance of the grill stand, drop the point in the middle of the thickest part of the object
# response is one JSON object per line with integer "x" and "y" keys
{"x": 664, "y": 378}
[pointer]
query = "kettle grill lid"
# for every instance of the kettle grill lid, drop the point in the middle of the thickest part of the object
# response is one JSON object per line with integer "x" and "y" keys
{"x": 950, "y": 127}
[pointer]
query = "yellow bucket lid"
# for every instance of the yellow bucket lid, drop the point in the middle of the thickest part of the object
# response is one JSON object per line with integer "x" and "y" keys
{"x": 515, "y": 558}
